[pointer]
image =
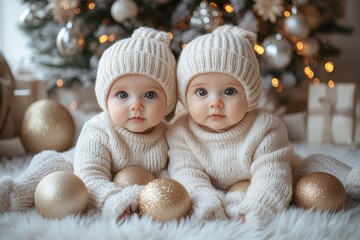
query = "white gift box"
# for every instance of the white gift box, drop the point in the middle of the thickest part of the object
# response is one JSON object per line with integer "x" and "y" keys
{"x": 331, "y": 113}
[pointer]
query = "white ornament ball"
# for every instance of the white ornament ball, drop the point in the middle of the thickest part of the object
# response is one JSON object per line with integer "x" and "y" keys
{"x": 70, "y": 41}
{"x": 123, "y": 9}
{"x": 296, "y": 27}
{"x": 60, "y": 194}
{"x": 278, "y": 52}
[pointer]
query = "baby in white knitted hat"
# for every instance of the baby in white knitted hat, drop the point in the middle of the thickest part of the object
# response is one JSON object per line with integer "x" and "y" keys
{"x": 224, "y": 140}
{"x": 136, "y": 89}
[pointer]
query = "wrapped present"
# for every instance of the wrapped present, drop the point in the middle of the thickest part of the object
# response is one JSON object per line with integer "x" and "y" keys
{"x": 296, "y": 125}
{"x": 331, "y": 113}
{"x": 37, "y": 87}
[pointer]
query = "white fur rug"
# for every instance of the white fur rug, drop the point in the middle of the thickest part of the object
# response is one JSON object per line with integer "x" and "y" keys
{"x": 294, "y": 223}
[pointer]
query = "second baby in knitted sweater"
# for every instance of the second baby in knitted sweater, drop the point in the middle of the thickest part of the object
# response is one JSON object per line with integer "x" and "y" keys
{"x": 224, "y": 139}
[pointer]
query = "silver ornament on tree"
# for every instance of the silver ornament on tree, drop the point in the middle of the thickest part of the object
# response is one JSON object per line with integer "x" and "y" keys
{"x": 32, "y": 16}
{"x": 123, "y": 9}
{"x": 206, "y": 17}
{"x": 278, "y": 52}
{"x": 295, "y": 26}
{"x": 70, "y": 40}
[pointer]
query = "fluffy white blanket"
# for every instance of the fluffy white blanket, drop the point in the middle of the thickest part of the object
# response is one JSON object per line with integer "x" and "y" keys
{"x": 294, "y": 223}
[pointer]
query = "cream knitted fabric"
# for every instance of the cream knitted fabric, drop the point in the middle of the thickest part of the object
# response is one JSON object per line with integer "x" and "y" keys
{"x": 255, "y": 149}
{"x": 103, "y": 149}
{"x": 145, "y": 53}
{"x": 18, "y": 194}
{"x": 226, "y": 50}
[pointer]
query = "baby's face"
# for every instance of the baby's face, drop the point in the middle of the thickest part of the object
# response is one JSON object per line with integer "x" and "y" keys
{"x": 137, "y": 103}
{"x": 216, "y": 101}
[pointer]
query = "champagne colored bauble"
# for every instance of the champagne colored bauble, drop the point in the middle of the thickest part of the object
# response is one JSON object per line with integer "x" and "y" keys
{"x": 164, "y": 199}
{"x": 320, "y": 191}
{"x": 310, "y": 48}
{"x": 123, "y": 9}
{"x": 47, "y": 125}
{"x": 70, "y": 40}
{"x": 278, "y": 52}
{"x": 296, "y": 27}
{"x": 60, "y": 194}
{"x": 240, "y": 186}
{"x": 134, "y": 175}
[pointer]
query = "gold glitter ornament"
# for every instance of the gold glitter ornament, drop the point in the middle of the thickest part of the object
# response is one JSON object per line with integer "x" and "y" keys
{"x": 164, "y": 199}
{"x": 60, "y": 194}
{"x": 47, "y": 125}
{"x": 321, "y": 191}
{"x": 240, "y": 186}
{"x": 133, "y": 175}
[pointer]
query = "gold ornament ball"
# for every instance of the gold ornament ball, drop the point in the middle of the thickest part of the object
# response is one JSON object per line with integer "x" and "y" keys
{"x": 47, "y": 125}
{"x": 164, "y": 199}
{"x": 133, "y": 175}
{"x": 60, "y": 194}
{"x": 241, "y": 186}
{"x": 320, "y": 191}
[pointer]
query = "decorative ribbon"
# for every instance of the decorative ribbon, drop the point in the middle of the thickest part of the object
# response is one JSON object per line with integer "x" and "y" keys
{"x": 329, "y": 110}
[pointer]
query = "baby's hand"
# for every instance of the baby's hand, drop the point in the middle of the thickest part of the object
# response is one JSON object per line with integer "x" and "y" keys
{"x": 242, "y": 218}
{"x": 126, "y": 213}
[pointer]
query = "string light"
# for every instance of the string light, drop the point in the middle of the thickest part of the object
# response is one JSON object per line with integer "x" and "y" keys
{"x": 280, "y": 88}
{"x": 275, "y": 82}
{"x": 329, "y": 67}
{"x": 331, "y": 84}
{"x": 183, "y": 45}
{"x": 316, "y": 82}
{"x": 287, "y": 13}
{"x": 105, "y": 21}
{"x": 228, "y": 8}
{"x": 77, "y": 11}
{"x": 73, "y": 105}
{"x": 213, "y": 5}
{"x": 259, "y": 49}
{"x": 300, "y": 45}
{"x": 112, "y": 37}
{"x": 183, "y": 26}
{"x": 59, "y": 83}
{"x": 81, "y": 41}
{"x": 91, "y": 5}
{"x": 103, "y": 38}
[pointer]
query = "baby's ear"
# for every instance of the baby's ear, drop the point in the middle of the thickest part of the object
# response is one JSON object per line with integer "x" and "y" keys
{"x": 250, "y": 36}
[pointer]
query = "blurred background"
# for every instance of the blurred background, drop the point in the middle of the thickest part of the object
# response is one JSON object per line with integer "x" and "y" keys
{"x": 52, "y": 47}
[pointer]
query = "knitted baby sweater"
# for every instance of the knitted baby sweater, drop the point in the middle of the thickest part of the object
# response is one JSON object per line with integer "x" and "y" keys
{"x": 103, "y": 149}
{"x": 208, "y": 164}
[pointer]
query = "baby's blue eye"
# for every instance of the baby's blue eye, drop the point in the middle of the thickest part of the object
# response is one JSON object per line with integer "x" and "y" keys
{"x": 229, "y": 91}
{"x": 201, "y": 92}
{"x": 150, "y": 95}
{"x": 122, "y": 95}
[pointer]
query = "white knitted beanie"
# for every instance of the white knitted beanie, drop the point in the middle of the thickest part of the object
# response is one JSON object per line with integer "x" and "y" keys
{"x": 146, "y": 53}
{"x": 228, "y": 50}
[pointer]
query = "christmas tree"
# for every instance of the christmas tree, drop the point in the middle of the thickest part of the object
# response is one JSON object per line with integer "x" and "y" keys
{"x": 69, "y": 36}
